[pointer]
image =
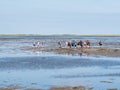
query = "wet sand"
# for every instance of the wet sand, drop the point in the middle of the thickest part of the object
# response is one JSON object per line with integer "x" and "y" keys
{"x": 107, "y": 52}
{"x": 56, "y": 88}
{"x": 92, "y": 51}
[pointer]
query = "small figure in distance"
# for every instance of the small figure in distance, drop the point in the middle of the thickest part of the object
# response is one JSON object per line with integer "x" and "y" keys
{"x": 100, "y": 43}
{"x": 60, "y": 45}
{"x": 34, "y": 44}
{"x": 87, "y": 43}
{"x": 74, "y": 43}
{"x": 69, "y": 44}
{"x": 80, "y": 43}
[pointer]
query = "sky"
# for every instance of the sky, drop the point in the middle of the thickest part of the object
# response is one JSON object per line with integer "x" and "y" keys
{"x": 59, "y": 16}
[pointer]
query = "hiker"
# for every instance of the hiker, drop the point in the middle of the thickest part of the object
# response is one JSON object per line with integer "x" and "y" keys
{"x": 60, "y": 45}
{"x": 69, "y": 44}
{"x": 80, "y": 43}
{"x": 86, "y": 44}
{"x": 100, "y": 43}
{"x": 74, "y": 43}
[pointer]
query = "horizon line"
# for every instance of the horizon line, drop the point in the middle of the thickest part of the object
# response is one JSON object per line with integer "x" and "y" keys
{"x": 59, "y": 34}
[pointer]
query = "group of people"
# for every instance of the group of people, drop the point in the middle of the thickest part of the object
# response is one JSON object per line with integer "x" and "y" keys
{"x": 38, "y": 44}
{"x": 70, "y": 44}
{"x": 80, "y": 44}
{"x": 75, "y": 44}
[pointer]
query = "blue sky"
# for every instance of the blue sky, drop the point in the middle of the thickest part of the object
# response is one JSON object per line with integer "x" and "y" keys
{"x": 59, "y": 17}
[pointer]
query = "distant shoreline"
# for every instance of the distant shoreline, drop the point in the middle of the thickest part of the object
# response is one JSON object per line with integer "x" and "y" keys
{"x": 61, "y": 35}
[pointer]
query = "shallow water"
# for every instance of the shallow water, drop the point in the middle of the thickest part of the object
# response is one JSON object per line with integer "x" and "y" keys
{"x": 50, "y": 71}
{"x": 31, "y": 69}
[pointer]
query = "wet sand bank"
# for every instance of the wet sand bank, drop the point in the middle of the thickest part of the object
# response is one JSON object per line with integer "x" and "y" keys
{"x": 92, "y": 51}
{"x": 107, "y": 52}
{"x": 55, "y": 88}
